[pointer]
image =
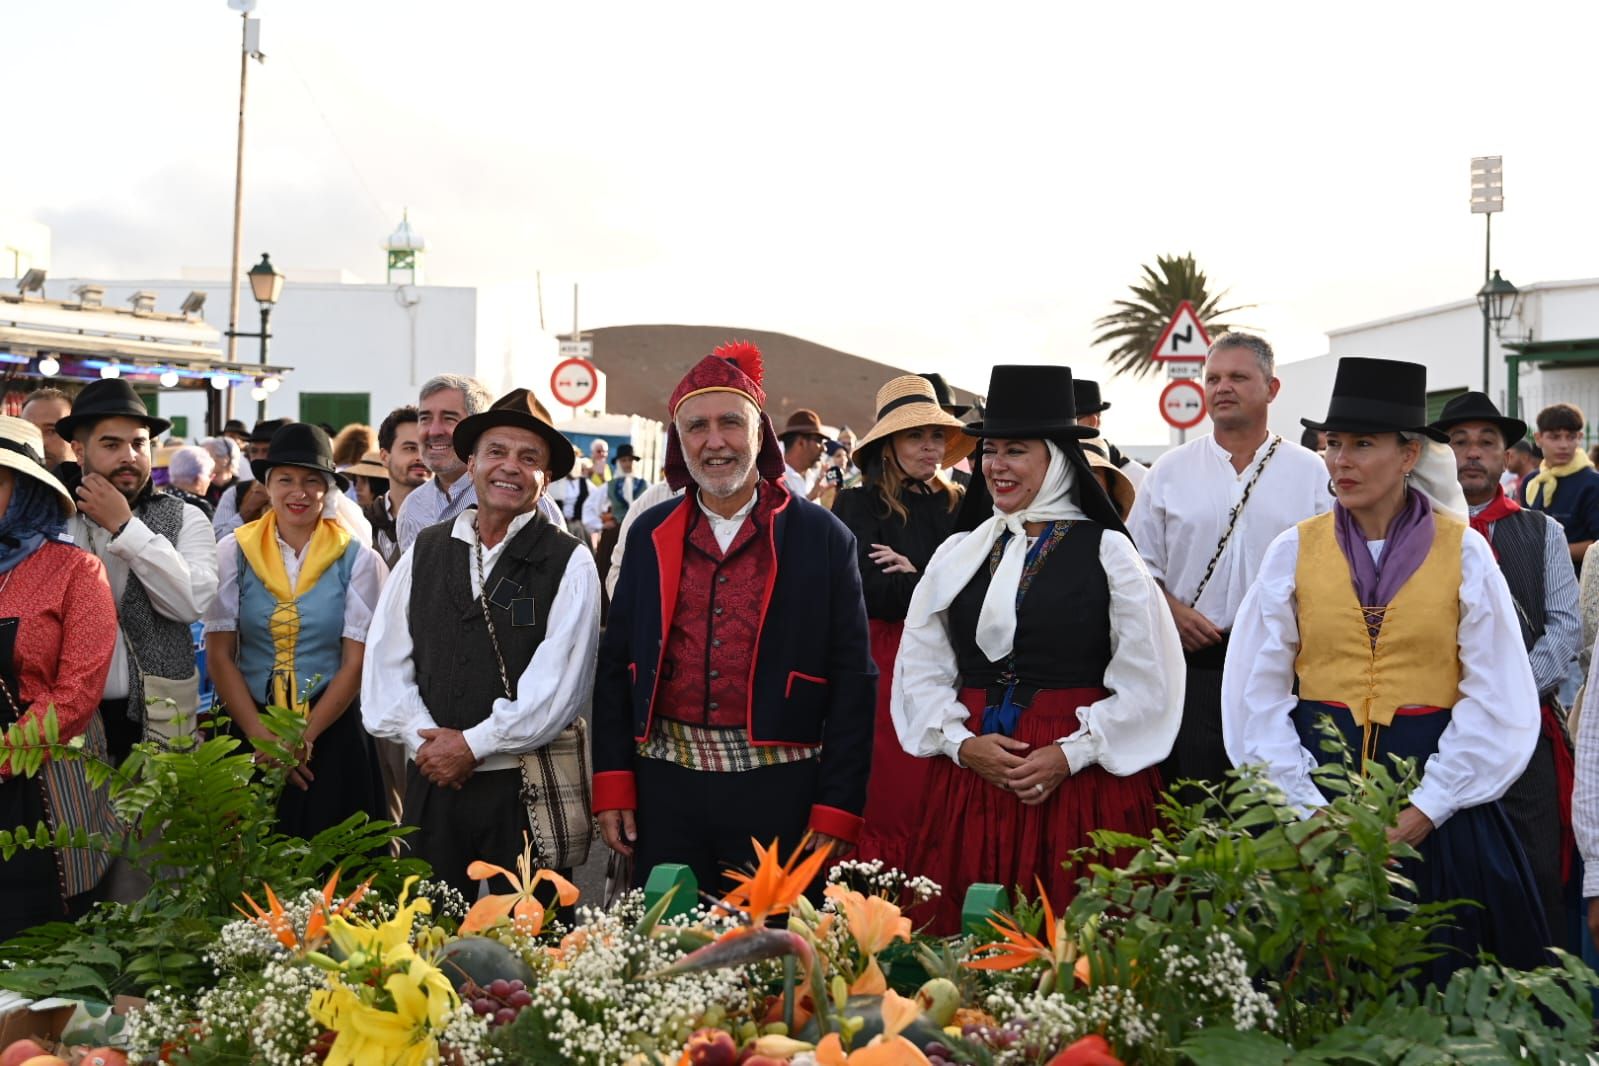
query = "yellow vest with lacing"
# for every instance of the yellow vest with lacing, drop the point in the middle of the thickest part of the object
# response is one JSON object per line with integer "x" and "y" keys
{"x": 1413, "y": 661}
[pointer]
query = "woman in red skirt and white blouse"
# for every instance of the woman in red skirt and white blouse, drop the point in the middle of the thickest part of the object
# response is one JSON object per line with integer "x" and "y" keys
{"x": 1039, "y": 668}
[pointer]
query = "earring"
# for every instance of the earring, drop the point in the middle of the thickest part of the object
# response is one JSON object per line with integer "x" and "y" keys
{"x": 1332, "y": 490}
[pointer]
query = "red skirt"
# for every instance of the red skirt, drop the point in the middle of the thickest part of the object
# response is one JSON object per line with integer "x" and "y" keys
{"x": 975, "y": 832}
{"x": 894, "y": 811}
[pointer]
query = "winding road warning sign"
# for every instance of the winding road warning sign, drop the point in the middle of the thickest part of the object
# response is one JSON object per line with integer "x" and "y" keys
{"x": 1184, "y": 336}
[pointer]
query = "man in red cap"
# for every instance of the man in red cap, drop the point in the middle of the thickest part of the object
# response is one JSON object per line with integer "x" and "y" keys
{"x": 735, "y": 692}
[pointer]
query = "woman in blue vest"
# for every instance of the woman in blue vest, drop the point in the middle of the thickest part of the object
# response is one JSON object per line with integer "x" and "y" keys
{"x": 295, "y": 595}
{"x": 1389, "y": 617}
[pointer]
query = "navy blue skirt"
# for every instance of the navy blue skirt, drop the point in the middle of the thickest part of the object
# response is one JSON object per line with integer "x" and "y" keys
{"x": 1475, "y": 855}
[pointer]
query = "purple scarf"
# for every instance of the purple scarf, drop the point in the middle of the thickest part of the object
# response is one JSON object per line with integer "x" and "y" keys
{"x": 1408, "y": 542}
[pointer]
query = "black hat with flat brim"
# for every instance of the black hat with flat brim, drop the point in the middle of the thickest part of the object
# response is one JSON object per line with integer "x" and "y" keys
{"x": 265, "y": 430}
{"x": 235, "y": 426}
{"x": 1086, "y": 399}
{"x": 1378, "y": 396}
{"x": 108, "y": 398}
{"x": 946, "y": 396}
{"x": 1477, "y": 407}
{"x": 302, "y": 445}
{"x": 1028, "y": 403}
{"x": 624, "y": 452}
{"x": 516, "y": 408}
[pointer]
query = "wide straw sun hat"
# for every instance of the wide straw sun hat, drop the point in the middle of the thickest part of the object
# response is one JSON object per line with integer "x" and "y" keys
{"x": 907, "y": 402}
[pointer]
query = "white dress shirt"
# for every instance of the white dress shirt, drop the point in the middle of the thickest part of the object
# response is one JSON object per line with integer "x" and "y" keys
{"x": 1585, "y": 793}
{"x": 597, "y": 504}
{"x": 1491, "y": 731}
{"x": 366, "y": 583}
{"x": 659, "y": 492}
{"x": 556, "y": 687}
{"x": 228, "y": 520}
{"x": 1130, "y": 729}
{"x": 1182, "y": 507}
{"x": 180, "y": 581}
{"x": 798, "y": 484}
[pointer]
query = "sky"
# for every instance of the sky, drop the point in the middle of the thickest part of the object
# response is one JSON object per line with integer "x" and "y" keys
{"x": 939, "y": 186}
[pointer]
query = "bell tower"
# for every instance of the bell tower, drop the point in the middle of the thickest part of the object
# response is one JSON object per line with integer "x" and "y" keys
{"x": 405, "y": 247}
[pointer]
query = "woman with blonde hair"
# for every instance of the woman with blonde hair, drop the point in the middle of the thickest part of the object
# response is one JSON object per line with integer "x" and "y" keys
{"x": 902, "y": 511}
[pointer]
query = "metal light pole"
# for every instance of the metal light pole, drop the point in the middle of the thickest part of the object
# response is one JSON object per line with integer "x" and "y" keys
{"x": 1487, "y": 199}
{"x": 249, "y": 46}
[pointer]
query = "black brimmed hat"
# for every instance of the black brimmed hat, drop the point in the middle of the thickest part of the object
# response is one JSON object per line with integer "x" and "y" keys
{"x": 235, "y": 426}
{"x": 1477, "y": 407}
{"x": 1086, "y": 397}
{"x": 1031, "y": 402}
{"x": 303, "y": 445}
{"x": 1378, "y": 396}
{"x": 109, "y": 398}
{"x": 265, "y": 430}
{"x": 946, "y": 398}
{"x": 625, "y": 452}
{"x": 516, "y": 408}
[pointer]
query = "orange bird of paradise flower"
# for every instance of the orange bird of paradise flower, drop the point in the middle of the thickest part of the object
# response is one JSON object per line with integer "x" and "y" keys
{"x": 1017, "y": 948}
{"x": 276, "y": 921}
{"x": 527, "y": 913}
{"x": 775, "y": 886}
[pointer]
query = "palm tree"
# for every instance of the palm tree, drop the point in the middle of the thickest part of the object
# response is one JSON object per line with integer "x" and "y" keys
{"x": 1136, "y": 324}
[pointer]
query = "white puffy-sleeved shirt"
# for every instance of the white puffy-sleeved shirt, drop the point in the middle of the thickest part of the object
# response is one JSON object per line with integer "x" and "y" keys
{"x": 366, "y": 584}
{"x": 1130, "y": 729}
{"x": 556, "y": 687}
{"x": 1182, "y": 507}
{"x": 1492, "y": 729}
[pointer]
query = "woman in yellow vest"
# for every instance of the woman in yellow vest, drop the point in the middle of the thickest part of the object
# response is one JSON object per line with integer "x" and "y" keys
{"x": 1389, "y": 615}
{"x": 295, "y": 594}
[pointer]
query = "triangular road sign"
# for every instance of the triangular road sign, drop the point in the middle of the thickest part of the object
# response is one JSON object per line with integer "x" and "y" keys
{"x": 1183, "y": 338}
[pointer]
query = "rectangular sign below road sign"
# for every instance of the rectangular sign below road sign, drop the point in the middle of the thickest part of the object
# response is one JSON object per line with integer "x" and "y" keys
{"x": 1185, "y": 369}
{"x": 577, "y": 349}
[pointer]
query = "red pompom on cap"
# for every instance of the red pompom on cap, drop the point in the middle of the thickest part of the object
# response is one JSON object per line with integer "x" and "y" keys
{"x": 745, "y": 356}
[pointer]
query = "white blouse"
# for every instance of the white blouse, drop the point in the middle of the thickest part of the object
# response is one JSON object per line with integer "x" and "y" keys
{"x": 1130, "y": 729}
{"x": 366, "y": 583}
{"x": 1491, "y": 731}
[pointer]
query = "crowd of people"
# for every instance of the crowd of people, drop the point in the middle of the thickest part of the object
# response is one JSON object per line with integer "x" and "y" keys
{"x": 956, "y": 645}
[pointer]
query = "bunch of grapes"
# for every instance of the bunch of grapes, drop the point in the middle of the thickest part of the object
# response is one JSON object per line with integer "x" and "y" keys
{"x": 989, "y": 1038}
{"x": 500, "y": 1002}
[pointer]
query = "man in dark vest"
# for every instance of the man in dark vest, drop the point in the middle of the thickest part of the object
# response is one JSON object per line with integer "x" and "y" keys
{"x": 1532, "y": 554}
{"x": 481, "y": 651}
{"x": 736, "y": 691}
{"x": 159, "y": 556}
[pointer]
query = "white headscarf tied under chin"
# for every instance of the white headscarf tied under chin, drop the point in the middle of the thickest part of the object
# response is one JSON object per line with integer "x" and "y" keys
{"x": 996, "y": 623}
{"x": 1435, "y": 477}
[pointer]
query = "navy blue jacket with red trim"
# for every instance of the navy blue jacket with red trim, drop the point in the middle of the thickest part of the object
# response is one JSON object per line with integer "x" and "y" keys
{"x": 815, "y": 682}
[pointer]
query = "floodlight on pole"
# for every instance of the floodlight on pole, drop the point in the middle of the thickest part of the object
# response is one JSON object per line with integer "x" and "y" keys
{"x": 1487, "y": 199}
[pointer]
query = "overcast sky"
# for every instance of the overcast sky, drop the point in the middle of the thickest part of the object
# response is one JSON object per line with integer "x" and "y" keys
{"x": 936, "y": 185}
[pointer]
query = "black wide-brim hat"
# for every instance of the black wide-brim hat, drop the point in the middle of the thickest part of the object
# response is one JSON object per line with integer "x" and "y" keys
{"x": 303, "y": 445}
{"x": 265, "y": 430}
{"x": 108, "y": 398}
{"x": 1477, "y": 407}
{"x": 946, "y": 397}
{"x": 1086, "y": 398}
{"x": 624, "y": 452}
{"x": 1377, "y": 396}
{"x": 1030, "y": 403}
{"x": 516, "y": 408}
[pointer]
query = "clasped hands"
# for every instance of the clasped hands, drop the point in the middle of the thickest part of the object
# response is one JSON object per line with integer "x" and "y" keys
{"x": 445, "y": 758}
{"x": 1007, "y": 763}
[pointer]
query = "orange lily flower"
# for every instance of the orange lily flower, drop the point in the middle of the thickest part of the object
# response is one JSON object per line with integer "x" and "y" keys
{"x": 874, "y": 923}
{"x": 1017, "y": 949}
{"x": 1091, "y": 1050}
{"x": 276, "y": 920}
{"x": 888, "y": 1048}
{"x": 774, "y": 886}
{"x": 527, "y": 914}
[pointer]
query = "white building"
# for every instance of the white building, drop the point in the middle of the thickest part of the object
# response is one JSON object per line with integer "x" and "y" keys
{"x": 1549, "y": 353}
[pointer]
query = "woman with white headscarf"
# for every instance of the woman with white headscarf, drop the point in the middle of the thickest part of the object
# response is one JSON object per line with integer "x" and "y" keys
{"x": 1389, "y": 618}
{"x": 1039, "y": 669}
{"x": 296, "y": 592}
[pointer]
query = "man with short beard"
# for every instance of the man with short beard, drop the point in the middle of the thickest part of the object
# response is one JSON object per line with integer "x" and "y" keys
{"x": 736, "y": 692}
{"x": 481, "y": 651}
{"x": 1203, "y": 519}
{"x": 400, "y": 447}
{"x": 159, "y": 553}
{"x": 1532, "y": 554}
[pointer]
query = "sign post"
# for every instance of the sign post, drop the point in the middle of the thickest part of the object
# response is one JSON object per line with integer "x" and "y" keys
{"x": 1182, "y": 346}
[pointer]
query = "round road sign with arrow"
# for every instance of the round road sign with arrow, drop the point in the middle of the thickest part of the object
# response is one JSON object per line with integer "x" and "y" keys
{"x": 574, "y": 382}
{"x": 1182, "y": 404}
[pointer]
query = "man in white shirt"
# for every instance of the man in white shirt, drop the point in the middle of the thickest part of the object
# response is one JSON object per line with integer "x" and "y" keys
{"x": 803, "y": 444}
{"x": 400, "y": 448}
{"x": 445, "y": 401}
{"x": 482, "y": 648}
{"x": 1203, "y": 519}
{"x": 159, "y": 553}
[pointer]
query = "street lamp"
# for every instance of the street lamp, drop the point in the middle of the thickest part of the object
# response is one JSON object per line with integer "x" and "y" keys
{"x": 1498, "y": 299}
{"x": 266, "y": 285}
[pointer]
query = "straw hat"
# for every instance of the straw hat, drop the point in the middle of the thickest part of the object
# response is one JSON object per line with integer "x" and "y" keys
{"x": 22, "y": 450}
{"x": 371, "y": 465}
{"x": 907, "y": 402}
{"x": 1122, "y": 492}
